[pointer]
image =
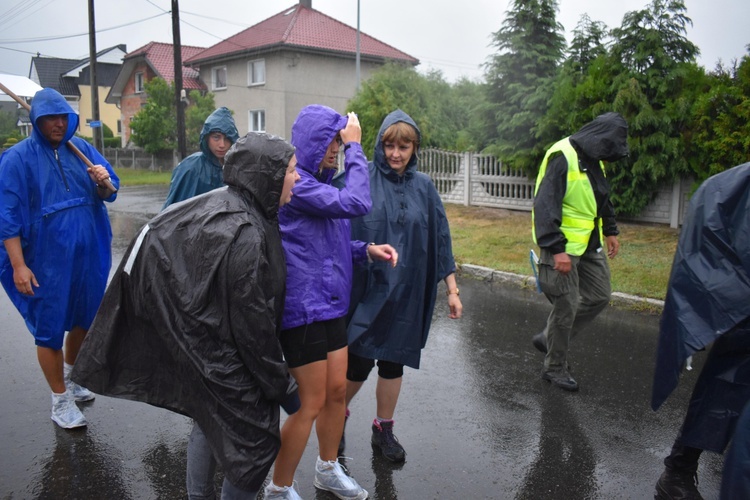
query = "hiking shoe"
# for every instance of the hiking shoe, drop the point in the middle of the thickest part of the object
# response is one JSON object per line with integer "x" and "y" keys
{"x": 65, "y": 413}
{"x": 330, "y": 476}
{"x": 561, "y": 378}
{"x": 383, "y": 439}
{"x": 273, "y": 492}
{"x": 675, "y": 484}
{"x": 540, "y": 342}
{"x": 78, "y": 392}
{"x": 342, "y": 443}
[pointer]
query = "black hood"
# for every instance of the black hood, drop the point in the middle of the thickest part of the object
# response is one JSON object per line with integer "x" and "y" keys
{"x": 603, "y": 138}
{"x": 257, "y": 163}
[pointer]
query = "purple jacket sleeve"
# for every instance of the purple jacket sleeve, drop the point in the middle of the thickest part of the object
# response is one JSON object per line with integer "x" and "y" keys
{"x": 323, "y": 200}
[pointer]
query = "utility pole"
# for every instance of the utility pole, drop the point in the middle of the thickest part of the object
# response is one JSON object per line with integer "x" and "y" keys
{"x": 357, "y": 72}
{"x": 179, "y": 108}
{"x": 96, "y": 124}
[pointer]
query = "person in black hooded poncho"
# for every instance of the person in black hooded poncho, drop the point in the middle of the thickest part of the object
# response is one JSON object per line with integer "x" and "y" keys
{"x": 191, "y": 318}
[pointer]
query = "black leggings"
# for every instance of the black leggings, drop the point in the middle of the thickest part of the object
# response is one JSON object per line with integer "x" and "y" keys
{"x": 359, "y": 368}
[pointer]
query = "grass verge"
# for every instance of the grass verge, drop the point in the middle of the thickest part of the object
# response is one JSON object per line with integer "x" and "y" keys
{"x": 140, "y": 177}
{"x": 501, "y": 239}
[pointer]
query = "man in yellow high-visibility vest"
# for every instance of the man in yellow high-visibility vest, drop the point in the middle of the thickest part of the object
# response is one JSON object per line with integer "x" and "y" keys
{"x": 573, "y": 220}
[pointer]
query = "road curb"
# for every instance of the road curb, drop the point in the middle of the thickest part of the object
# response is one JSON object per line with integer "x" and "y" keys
{"x": 495, "y": 276}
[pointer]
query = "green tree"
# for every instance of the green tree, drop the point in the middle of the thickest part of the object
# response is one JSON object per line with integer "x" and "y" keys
{"x": 195, "y": 115}
{"x": 582, "y": 87}
{"x": 721, "y": 121}
{"x": 437, "y": 107}
{"x": 154, "y": 127}
{"x": 530, "y": 45}
{"x": 655, "y": 80}
{"x": 8, "y": 127}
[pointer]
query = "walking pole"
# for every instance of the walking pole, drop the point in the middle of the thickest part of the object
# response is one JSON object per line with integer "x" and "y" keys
{"x": 72, "y": 146}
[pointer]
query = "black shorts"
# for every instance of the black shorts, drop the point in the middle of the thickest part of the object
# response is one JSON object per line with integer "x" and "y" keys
{"x": 359, "y": 368}
{"x": 306, "y": 344}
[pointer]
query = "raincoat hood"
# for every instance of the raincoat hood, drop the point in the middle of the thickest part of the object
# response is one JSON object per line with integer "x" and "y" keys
{"x": 219, "y": 121}
{"x": 313, "y": 130}
{"x": 709, "y": 285}
{"x": 604, "y": 138}
{"x": 379, "y": 157}
{"x": 51, "y": 102}
{"x": 257, "y": 163}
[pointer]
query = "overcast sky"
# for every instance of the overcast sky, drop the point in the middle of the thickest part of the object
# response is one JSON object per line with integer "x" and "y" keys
{"x": 451, "y": 36}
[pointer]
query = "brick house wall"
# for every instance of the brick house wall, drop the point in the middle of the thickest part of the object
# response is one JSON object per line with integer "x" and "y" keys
{"x": 131, "y": 102}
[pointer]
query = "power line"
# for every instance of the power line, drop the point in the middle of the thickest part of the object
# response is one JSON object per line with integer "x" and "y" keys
{"x": 63, "y": 37}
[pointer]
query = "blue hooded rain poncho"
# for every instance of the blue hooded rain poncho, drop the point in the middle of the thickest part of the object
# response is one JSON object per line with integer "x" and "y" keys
{"x": 48, "y": 199}
{"x": 708, "y": 303}
{"x": 391, "y": 308}
{"x": 201, "y": 172}
{"x": 315, "y": 224}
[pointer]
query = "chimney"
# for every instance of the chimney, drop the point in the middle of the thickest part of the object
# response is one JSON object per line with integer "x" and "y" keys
{"x": 306, "y": 3}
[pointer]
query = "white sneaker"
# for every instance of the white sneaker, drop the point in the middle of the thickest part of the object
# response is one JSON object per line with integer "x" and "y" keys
{"x": 78, "y": 392}
{"x": 330, "y": 476}
{"x": 273, "y": 492}
{"x": 65, "y": 413}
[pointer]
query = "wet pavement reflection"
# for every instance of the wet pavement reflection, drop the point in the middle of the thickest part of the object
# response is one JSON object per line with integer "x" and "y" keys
{"x": 476, "y": 420}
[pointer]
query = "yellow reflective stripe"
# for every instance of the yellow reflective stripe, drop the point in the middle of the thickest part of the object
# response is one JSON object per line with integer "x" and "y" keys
{"x": 570, "y": 221}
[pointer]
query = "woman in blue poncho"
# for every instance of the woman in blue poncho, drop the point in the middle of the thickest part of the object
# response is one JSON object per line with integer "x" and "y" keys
{"x": 391, "y": 309}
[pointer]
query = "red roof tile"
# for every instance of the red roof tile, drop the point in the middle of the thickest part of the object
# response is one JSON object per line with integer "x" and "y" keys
{"x": 161, "y": 58}
{"x": 299, "y": 26}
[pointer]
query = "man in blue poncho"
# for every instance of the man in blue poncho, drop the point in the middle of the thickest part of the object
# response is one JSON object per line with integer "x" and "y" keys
{"x": 201, "y": 172}
{"x": 56, "y": 252}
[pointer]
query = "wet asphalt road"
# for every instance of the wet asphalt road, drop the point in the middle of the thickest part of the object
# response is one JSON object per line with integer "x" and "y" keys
{"x": 476, "y": 420}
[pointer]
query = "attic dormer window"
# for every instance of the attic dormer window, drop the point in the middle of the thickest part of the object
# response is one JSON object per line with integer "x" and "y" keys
{"x": 139, "y": 83}
{"x": 256, "y": 72}
{"x": 219, "y": 78}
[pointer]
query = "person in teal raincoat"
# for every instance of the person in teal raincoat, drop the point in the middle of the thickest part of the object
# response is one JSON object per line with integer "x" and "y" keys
{"x": 201, "y": 172}
{"x": 391, "y": 308}
{"x": 56, "y": 252}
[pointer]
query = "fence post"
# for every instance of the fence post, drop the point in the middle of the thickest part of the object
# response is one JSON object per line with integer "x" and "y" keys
{"x": 674, "y": 206}
{"x": 468, "y": 162}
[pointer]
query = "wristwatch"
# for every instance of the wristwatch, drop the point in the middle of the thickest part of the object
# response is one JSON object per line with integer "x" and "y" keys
{"x": 452, "y": 291}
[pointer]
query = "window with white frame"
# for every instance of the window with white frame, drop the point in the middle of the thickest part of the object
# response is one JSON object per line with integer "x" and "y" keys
{"x": 256, "y": 72}
{"x": 257, "y": 119}
{"x": 139, "y": 83}
{"x": 219, "y": 78}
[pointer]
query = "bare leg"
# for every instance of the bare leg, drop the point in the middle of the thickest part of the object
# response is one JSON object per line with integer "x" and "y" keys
{"x": 296, "y": 430}
{"x": 386, "y": 394}
{"x": 330, "y": 423}
{"x": 352, "y": 388}
{"x": 73, "y": 341}
{"x": 51, "y": 361}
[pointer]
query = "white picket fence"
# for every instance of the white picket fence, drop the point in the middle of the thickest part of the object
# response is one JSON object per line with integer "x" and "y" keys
{"x": 475, "y": 179}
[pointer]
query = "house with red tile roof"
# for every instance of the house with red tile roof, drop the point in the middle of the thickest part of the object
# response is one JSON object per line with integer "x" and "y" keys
{"x": 300, "y": 56}
{"x": 72, "y": 78}
{"x": 153, "y": 60}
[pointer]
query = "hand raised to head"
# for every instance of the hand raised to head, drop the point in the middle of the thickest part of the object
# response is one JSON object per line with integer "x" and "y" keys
{"x": 352, "y": 132}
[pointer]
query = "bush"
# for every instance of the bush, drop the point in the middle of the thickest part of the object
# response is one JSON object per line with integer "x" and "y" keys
{"x": 10, "y": 141}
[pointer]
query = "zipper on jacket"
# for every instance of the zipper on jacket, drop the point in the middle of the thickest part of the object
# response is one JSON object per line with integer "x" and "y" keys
{"x": 65, "y": 180}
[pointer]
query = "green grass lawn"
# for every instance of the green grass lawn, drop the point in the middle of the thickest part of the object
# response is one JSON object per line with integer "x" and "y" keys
{"x": 140, "y": 177}
{"x": 501, "y": 239}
